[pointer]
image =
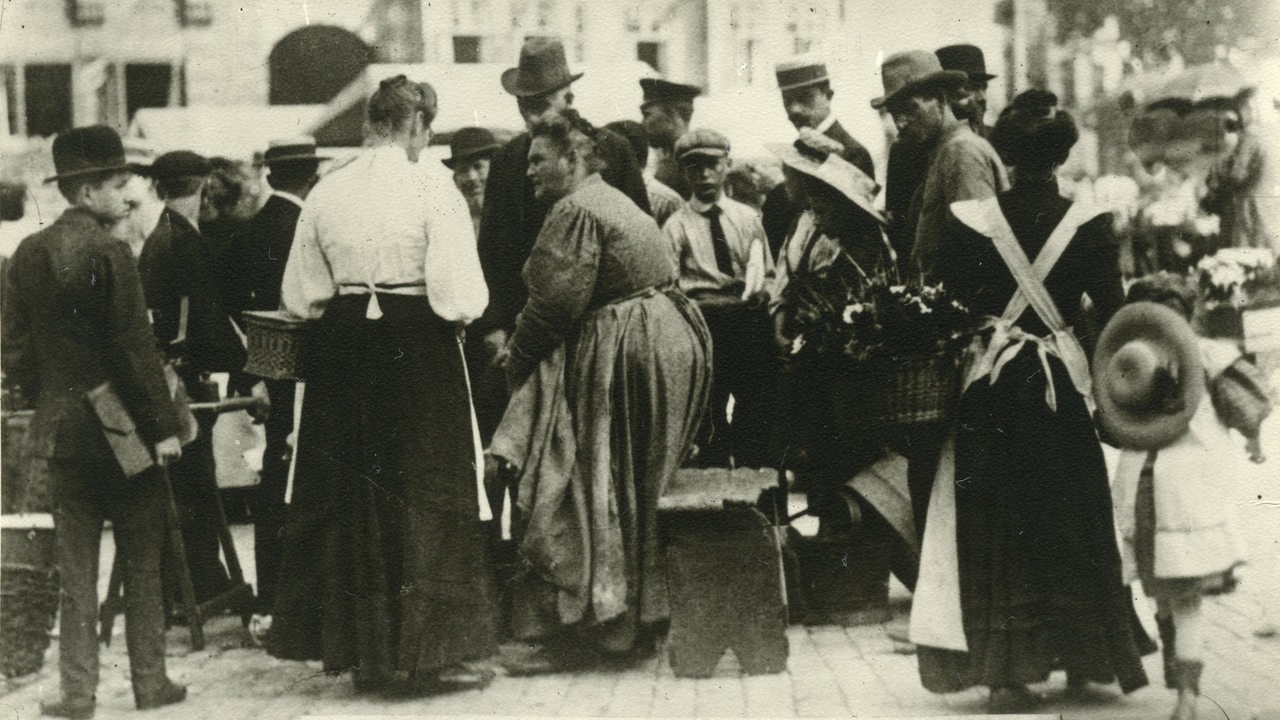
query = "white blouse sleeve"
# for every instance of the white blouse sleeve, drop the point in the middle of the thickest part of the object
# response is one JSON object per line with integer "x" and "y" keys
{"x": 455, "y": 282}
{"x": 308, "y": 283}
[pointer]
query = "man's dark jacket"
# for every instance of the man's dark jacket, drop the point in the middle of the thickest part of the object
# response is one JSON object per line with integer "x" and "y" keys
{"x": 253, "y": 263}
{"x": 74, "y": 317}
{"x": 512, "y": 218}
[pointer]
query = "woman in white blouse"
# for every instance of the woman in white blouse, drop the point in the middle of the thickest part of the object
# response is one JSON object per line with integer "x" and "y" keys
{"x": 383, "y": 568}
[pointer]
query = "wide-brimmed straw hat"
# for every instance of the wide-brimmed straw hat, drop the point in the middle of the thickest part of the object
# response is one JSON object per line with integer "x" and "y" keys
{"x": 89, "y": 151}
{"x": 912, "y": 70}
{"x": 1148, "y": 377}
{"x": 542, "y": 69}
{"x": 806, "y": 156}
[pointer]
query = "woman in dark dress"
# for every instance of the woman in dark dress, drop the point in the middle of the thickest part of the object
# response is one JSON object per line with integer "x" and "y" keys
{"x": 383, "y": 566}
{"x": 610, "y": 374}
{"x": 1039, "y": 572}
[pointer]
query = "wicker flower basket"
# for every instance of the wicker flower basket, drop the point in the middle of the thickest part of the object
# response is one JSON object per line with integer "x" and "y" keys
{"x": 28, "y": 591}
{"x": 277, "y": 343}
{"x": 876, "y": 394}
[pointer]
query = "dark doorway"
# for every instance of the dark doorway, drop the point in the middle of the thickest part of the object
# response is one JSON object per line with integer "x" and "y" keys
{"x": 146, "y": 86}
{"x": 312, "y": 64}
{"x": 48, "y": 98}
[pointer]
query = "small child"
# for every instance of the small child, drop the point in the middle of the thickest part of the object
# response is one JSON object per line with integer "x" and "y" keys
{"x": 1172, "y": 515}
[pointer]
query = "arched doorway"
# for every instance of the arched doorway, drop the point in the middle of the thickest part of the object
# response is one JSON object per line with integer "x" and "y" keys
{"x": 312, "y": 64}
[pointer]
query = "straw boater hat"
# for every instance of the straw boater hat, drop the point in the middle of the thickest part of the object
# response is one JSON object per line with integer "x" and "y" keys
{"x": 469, "y": 143}
{"x": 542, "y": 69}
{"x": 1147, "y": 376}
{"x": 88, "y": 151}
{"x": 913, "y": 70}
{"x": 800, "y": 72}
{"x": 301, "y": 148}
{"x": 806, "y": 156}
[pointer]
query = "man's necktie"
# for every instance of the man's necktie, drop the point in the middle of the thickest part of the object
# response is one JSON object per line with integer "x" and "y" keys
{"x": 719, "y": 243}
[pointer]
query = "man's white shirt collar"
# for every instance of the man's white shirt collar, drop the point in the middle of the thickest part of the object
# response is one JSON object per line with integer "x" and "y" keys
{"x": 825, "y": 125}
{"x": 701, "y": 207}
{"x": 288, "y": 196}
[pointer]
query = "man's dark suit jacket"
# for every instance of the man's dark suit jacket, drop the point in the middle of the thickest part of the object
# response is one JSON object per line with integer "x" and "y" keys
{"x": 253, "y": 263}
{"x": 177, "y": 262}
{"x": 512, "y": 218}
{"x": 74, "y": 317}
{"x": 779, "y": 214}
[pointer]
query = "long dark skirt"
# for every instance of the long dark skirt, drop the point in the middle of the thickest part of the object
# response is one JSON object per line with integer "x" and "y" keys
{"x": 1040, "y": 578}
{"x": 384, "y": 554}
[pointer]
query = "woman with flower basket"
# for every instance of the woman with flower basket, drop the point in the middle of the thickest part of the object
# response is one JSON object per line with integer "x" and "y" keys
{"x": 1020, "y": 572}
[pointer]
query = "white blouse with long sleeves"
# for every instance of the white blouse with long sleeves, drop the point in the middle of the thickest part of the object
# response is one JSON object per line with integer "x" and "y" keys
{"x": 381, "y": 220}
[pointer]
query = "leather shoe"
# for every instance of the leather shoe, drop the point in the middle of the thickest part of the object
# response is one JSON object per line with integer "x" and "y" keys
{"x": 168, "y": 695}
{"x": 64, "y": 708}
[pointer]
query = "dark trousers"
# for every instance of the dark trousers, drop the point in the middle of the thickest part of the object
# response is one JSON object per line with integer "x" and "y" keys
{"x": 86, "y": 491}
{"x": 268, "y": 498}
{"x": 744, "y": 366}
{"x": 921, "y": 448}
{"x": 195, "y": 494}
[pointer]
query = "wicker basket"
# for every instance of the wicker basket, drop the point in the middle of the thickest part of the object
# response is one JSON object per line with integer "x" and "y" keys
{"x": 29, "y": 586}
{"x": 276, "y": 345}
{"x": 895, "y": 391}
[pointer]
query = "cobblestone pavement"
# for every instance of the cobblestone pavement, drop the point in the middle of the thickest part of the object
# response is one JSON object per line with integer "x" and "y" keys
{"x": 832, "y": 671}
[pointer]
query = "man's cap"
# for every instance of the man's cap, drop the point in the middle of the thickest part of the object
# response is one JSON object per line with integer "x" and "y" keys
{"x": 542, "y": 69}
{"x": 800, "y": 72}
{"x": 659, "y": 90}
{"x": 179, "y": 163}
{"x": 88, "y": 151}
{"x": 702, "y": 141}
{"x": 905, "y": 72}
{"x": 965, "y": 58}
{"x": 300, "y": 148}
{"x": 469, "y": 143}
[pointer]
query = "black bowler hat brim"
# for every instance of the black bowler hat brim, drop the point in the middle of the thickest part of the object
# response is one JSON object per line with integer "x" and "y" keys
{"x": 659, "y": 90}
{"x": 511, "y": 83}
{"x": 136, "y": 168}
{"x": 300, "y": 157}
{"x": 487, "y": 150}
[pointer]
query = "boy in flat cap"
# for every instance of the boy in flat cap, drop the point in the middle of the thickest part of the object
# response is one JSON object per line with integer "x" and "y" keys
{"x": 725, "y": 266}
{"x": 666, "y": 111}
{"x": 74, "y": 319}
{"x": 181, "y": 279}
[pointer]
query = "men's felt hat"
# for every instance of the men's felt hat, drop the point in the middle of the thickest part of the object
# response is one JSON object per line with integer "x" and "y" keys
{"x": 966, "y": 58}
{"x": 301, "y": 148}
{"x": 469, "y": 143}
{"x": 659, "y": 90}
{"x": 800, "y": 72}
{"x": 905, "y": 72}
{"x": 704, "y": 142}
{"x": 542, "y": 69}
{"x": 88, "y": 151}
{"x": 1148, "y": 377}
{"x": 822, "y": 161}
{"x": 179, "y": 163}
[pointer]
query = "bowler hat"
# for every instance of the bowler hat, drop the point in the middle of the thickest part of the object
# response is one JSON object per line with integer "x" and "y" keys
{"x": 912, "y": 70}
{"x": 800, "y": 72}
{"x": 702, "y": 141}
{"x": 659, "y": 90}
{"x": 87, "y": 151}
{"x": 819, "y": 157}
{"x": 301, "y": 148}
{"x": 1148, "y": 377}
{"x": 468, "y": 143}
{"x": 179, "y": 163}
{"x": 967, "y": 58}
{"x": 542, "y": 69}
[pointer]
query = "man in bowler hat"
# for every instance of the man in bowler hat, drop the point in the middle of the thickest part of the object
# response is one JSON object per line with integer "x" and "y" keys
{"x": 74, "y": 318}
{"x": 806, "y": 97}
{"x": 470, "y": 151}
{"x": 969, "y": 101}
{"x": 666, "y": 110}
{"x": 253, "y": 271}
{"x": 181, "y": 280}
{"x": 512, "y": 216}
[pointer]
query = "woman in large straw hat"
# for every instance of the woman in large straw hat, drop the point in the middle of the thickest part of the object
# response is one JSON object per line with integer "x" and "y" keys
{"x": 1170, "y": 399}
{"x": 1038, "y": 577}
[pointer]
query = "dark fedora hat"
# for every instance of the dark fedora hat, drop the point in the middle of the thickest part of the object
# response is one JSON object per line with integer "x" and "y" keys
{"x": 659, "y": 90}
{"x": 469, "y": 143}
{"x": 301, "y": 148}
{"x": 1148, "y": 377}
{"x": 542, "y": 69}
{"x": 89, "y": 151}
{"x": 966, "y": 58}
{"x": 912, "y": 70}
